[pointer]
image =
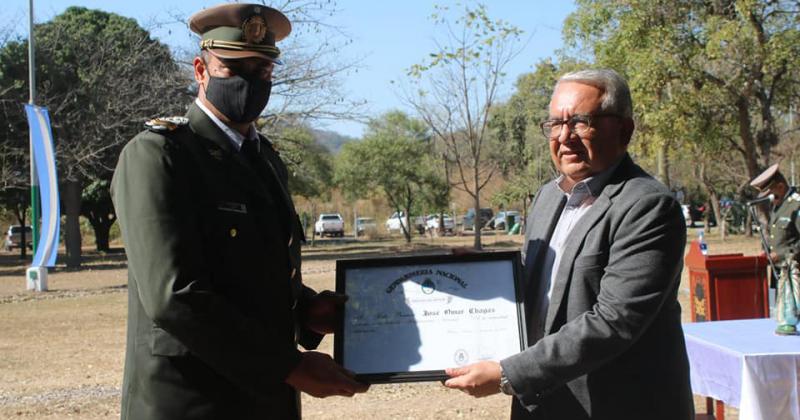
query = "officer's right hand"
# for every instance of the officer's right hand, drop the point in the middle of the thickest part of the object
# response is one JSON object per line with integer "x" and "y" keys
{"x": 319, "y": 376}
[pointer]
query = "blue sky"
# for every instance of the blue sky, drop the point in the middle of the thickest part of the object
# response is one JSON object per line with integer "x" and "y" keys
{"x": 388, "y": 36}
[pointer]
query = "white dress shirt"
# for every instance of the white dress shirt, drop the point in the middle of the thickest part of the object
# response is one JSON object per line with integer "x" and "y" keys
{"x": 579, "y": 200}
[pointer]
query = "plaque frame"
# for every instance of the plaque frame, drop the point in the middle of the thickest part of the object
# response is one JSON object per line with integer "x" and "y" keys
{"x": 343, "y": 265}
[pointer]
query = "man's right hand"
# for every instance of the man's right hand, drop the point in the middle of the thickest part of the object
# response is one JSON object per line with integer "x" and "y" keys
{"x": 319, "y": 376}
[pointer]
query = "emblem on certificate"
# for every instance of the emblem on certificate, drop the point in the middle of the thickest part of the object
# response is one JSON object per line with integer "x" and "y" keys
{"x": 409, "y": 318}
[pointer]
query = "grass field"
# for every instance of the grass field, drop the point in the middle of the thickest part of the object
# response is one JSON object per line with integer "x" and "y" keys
{"x": 61, "y": 352}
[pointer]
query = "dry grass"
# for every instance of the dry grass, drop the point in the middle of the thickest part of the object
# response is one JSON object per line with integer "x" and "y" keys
{"x": 61, "y": 352}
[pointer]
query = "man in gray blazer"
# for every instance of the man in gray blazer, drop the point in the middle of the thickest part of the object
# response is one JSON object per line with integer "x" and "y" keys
{"x": 603, "y": 258}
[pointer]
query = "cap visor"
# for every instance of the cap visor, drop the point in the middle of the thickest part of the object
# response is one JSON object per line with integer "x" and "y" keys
{"x": 236, "y": 55}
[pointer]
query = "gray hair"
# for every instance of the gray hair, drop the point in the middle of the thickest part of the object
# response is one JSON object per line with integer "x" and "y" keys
{"x": 616, "y": 94}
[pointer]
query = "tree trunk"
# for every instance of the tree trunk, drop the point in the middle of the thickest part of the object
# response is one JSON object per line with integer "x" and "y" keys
{"x": 663, "y": 165}
{"x": 23, "y": 250}
{"x": 72, "y": 208}
{"x": 745, "y": 134}
{"x": 102, "y": 227}
{"x": 313, "y": 222}
{"x": 477, "y": 226}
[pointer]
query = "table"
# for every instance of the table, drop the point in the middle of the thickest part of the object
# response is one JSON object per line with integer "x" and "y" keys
{"x": 746, "y": 365}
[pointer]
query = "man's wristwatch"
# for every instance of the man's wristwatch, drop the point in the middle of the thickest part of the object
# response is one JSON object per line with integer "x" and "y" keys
{"x": 505, "y": 384}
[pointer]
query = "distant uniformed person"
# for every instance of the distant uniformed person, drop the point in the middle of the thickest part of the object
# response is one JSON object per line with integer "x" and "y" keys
{"x": 216, "y": 302}
{"x": 784, "y": 244}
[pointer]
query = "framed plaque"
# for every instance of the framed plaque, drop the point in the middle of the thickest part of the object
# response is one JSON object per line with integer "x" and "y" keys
{"x": 409, "y": 318}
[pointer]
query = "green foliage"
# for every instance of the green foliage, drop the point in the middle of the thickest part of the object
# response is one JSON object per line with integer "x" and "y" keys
{"x": 521, "y": 151}
{"x": 706, "y": 77}
{"x": 101, "y": 76}
{"x": 310, "y": 164}
{"x": 393, "y": 160}
{"x": 482, "y": 35}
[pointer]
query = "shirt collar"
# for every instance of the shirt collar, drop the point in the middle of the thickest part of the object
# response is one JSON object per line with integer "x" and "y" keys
{"x": 234, "y": 136}
{"x": 589, "y": 187}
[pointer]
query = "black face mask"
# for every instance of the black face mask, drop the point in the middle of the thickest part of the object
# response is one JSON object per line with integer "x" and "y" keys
{"x": 238, "y": 98}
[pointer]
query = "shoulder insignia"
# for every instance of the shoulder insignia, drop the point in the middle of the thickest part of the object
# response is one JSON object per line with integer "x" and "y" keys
{"x": 794, "y": 197}
{"x": 165, "y": 124}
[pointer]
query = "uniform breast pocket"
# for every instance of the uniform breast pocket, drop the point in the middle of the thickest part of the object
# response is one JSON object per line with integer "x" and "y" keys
{"x": 233, "y": 222}
{"x": 783, "y": 222}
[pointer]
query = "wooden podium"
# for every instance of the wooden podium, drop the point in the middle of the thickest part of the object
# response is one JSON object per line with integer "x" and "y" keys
{"x": 724, "y": 287}
{"x": 727, "y": 286}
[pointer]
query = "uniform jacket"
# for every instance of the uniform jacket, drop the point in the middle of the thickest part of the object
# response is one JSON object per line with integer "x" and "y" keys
{"x": 784, "y": 232}
{"x": 613, "y": 346}
{"x": 213, "y": 277}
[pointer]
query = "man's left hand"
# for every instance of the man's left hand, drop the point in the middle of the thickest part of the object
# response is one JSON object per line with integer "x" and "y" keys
{"x": 325, "y": 312}
{"x": 479, "y": 379}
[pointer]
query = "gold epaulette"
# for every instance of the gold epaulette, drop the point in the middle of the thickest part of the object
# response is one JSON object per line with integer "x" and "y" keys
{"x": 164, "y": 124}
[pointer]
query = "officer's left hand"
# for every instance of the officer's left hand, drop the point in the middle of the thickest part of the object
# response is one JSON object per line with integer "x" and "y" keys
{"x": 325, "y": 311}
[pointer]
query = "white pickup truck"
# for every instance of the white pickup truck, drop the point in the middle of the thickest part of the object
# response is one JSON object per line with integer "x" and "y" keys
{"x": 330, "y": 224}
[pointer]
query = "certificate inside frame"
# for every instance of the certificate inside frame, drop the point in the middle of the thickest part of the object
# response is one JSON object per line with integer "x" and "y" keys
{"x": 409, "y": 318}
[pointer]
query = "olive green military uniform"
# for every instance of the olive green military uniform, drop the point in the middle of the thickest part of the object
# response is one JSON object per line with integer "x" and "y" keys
{"x": 215, "y": 293}
{"x": 785, "y": 242}
{"x": 784, "y": 234}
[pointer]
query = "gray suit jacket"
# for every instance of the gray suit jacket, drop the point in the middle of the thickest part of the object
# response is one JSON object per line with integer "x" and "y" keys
{"x": 613, "y": 346}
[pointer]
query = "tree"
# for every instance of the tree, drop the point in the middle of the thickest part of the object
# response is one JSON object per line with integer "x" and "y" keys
{"x": 101, "y": 76}
{"x": 456, "y": 89}
{"x": 702, "y": 73}
{"x": 521, "y": 151}
{"x": 393, "y": 159}
{"x": 309, "y": 87}
{"x": 310, "y": 165}
{"x": 97, "y": 207}
{"x": 16, "y": 202}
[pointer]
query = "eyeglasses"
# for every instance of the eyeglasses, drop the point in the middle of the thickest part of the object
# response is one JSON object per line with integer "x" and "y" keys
{"x": 578, "y": 124}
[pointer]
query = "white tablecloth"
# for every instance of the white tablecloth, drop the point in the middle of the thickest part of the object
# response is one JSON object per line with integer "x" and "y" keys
{"x": 745, "y": 364}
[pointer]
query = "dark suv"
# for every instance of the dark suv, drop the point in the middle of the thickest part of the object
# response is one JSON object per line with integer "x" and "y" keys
{"x": 486, "y": 215}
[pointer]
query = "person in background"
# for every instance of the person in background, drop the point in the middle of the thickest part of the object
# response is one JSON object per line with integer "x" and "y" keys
{"x": 784, "y": 245}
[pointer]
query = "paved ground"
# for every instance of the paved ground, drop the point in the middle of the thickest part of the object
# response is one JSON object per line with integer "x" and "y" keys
{"x": 61, "y": 352}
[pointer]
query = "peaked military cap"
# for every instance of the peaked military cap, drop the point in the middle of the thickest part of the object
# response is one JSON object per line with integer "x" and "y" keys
{"x": 239, "y": 30}
{"x": 764, "y": 179}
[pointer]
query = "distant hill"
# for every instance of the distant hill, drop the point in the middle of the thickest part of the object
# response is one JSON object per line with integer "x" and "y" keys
{"x": 331, "y": 140}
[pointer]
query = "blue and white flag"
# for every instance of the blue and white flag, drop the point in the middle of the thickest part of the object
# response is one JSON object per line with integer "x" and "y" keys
{"x": 44, "y": 157}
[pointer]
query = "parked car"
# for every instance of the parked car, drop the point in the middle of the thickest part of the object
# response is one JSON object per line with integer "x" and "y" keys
{"x": 393, "y": 223}
{"x": 365, "y": 225}
{"x": 468, "y": 222}
{"x": 499, "y": 222}
{"x": 13, "y": 237}
{"x": 432, "y": 224}
{"x": 330, "y": 224}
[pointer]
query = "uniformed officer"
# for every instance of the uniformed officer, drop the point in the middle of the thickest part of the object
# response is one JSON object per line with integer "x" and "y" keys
{"x": 216, "y": 301}
{"x": 784, "y": 244}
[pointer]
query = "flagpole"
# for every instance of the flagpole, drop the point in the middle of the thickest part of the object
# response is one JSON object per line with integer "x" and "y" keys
{"x": 32, "y": 99}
